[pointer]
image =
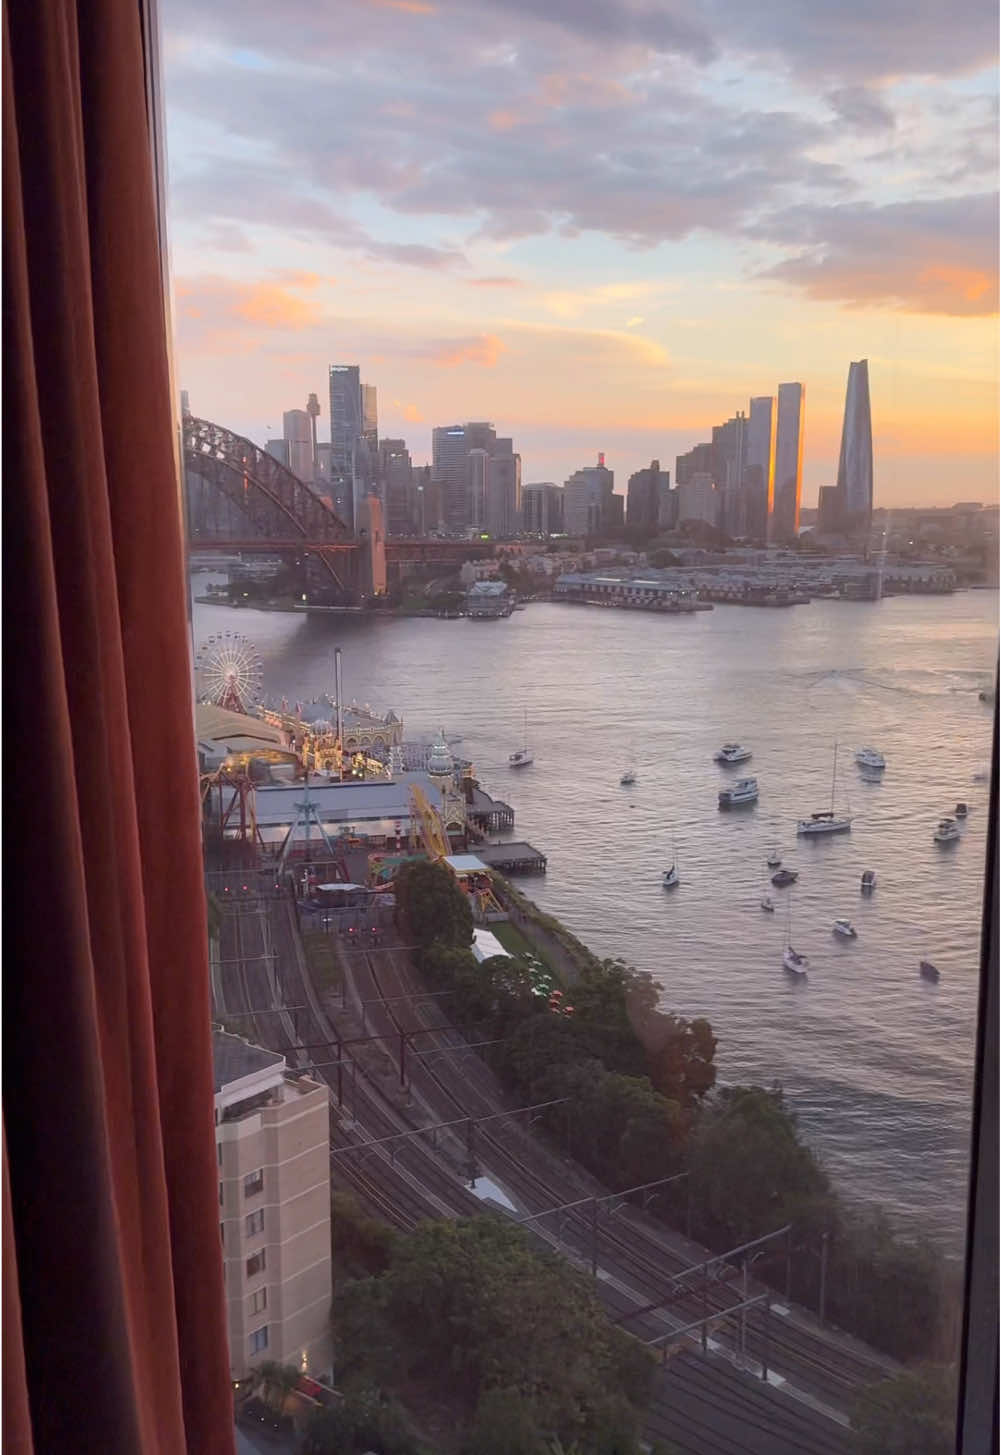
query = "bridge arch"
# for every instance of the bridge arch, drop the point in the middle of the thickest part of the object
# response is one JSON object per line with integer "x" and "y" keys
{"x": 274, "y": 502}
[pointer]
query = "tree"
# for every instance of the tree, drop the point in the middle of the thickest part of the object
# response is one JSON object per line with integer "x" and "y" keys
{"x": 914, "y": 1414}
{"x": 470, "y": 1307}
{"x": 431, "y": 906}
{"x": 680, "y": 1055}
{"x": 749, "y": 1171}
{"x": 889, "y": 1291}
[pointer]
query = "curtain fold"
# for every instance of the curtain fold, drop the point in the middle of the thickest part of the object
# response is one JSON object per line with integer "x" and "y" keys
{"x": 108, "y": 1076}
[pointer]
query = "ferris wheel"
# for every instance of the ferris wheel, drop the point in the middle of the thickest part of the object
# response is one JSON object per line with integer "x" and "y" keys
{"x": 228, "y": 672}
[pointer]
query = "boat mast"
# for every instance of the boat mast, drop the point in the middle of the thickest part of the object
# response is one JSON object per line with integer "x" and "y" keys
{"x": 834, "y": 776}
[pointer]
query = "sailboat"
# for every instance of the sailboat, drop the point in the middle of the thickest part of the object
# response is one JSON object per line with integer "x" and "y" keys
{"x": 522, "y": 756}
{"x": 827, "y": 821}
{"x": 793, "y": 961}
{"x": 671, "y": 876}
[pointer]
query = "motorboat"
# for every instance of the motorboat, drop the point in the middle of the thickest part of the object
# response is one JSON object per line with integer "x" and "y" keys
{"x": 870, "y": 758}
{"x": 868, "y": 880}
{"x": 928, "y": 971}
{"x": 784, "y": 877}
{"x": 671, "y": 877}
{"x": 628, "y": 778}
{"x": 733, "y": 753}
{"x": 768, "y": 904}
{"x": 961, "y": 810}
{"x": 947, "y": 831}
{"x": 745, "y": 790}
{"x": 845, "y": 929}
{"x": 827, "y": 821}
{"x": 794, "y": 961}
{"x": 774, "y": 860}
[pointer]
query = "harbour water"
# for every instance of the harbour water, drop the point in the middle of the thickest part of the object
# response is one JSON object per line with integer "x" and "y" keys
{"x": 877, "y": 1063}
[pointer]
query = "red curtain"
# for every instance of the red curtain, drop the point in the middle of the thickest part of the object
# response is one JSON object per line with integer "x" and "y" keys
{"x": 114, "y": 1328}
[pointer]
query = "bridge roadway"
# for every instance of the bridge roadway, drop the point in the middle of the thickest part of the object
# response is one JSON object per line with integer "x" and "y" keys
{"x": 639, "y": 1259}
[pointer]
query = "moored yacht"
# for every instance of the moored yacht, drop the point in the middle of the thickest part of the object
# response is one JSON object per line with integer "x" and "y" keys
{"x": 745, "y": 790}
{"x": 768, "y": 904}
{"x": 671, "y": 877}
{"x": 826, "y": 821}
{"x": 774, "y": 860}
{"x": 870, "y": 758}
{"x": 845, "y": 929}
{"x": 521, "y": 757}
{"x": 733, "y": 753}
{"x": 628, "y": 778}
{"x": 868, "y": 880}
{"x": 928, "y": 971}
{"x": 947, "y": 831}
{"x": 783, "y": 877}
{"x": 794, "y": 961}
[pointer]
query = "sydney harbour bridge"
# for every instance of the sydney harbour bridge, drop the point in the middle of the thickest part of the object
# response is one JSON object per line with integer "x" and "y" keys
{"x": 240, "y": 499}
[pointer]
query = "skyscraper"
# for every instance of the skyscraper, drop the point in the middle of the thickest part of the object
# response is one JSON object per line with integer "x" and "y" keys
{"x": 788, "y": 462}
{"x": 450, "y": 447}
{"x": 758, "y": 480}
{"x": 370, "y": 417}
{"x": 542, "y": 508}
{"x": 345, "y": 431}
{"x": 645, "y": 496}
{"x": 297, "y": 428}
{"x": 478, "y": 462}
{"x": 587, "y": 505}
{"x": 698, "y": 461}
{"x": 855, "y": 463}
{"x": 504, "y": 494}
{"x": 396, "y": 486}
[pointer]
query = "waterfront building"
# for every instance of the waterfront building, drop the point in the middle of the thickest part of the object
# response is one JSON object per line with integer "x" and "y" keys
{"x": 273, "y": 1140}
{"x": 698, "y": 460}
{"x": 373, "y": 811}
{"x": 646, "y": 495}
{"x": 698, "y": 499}
{"x": 489, "y": 598}
{"x": 788, "y": 462}
{"x": 542, "y": 509}
{"x": 297, "y": 429}
{"x": 829, "y": 510}
{"x": 587, "y": 499}
{"x": 652, "y": 591}
{"x": 855, "y": 461}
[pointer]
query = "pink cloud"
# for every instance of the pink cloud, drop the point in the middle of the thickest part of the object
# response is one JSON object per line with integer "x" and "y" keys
{"x": 485, "y": 350}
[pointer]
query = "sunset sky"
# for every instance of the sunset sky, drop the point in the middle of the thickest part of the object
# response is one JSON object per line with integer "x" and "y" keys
{"x": 602, "y": 226}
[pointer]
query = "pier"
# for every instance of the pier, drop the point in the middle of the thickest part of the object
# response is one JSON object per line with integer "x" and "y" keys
{"x": 488, "y": 814}
{"x": 513, "y": 858}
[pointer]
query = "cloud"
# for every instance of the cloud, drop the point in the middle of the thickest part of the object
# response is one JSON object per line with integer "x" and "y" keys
{"x": 862, "y": 109}
{"x": 938, "y": 256}
{"x": 635, "y": 321}
{"x": 498, "y": 281}
{"x": 276, "y": 307}
{"x": 411, "y": 7}
{"x": 485, "y": 350}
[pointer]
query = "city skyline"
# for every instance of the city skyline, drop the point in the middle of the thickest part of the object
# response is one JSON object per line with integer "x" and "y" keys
{"x": 600, "y": 230}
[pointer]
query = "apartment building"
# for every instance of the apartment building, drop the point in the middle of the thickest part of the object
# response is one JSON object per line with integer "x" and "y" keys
{"x": 273, "y": 1141}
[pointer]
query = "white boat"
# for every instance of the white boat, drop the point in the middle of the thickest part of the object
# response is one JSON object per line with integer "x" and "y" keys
{"x": 745, "y": 790}
{"x": 947, "y": 831}
{"x": 768, "y": 904}
{"x": 793, "y": 961}
{"x": 827, "y": 821}
{"x": 845, "y": 929}
{"x": 671, "y": 877}
{"x": 628, "y": 778}
{"x": 774, "y": 860}
{"x": 798, "y": 964}
{"x": 928, "y": 971}
{"x": 733, "y": 753}
{"x": 870, "y": 758}
{"x": 521, "y": 757}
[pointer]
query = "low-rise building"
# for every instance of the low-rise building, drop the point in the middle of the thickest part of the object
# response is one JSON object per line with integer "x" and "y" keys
{"x": 273, "y": 1140}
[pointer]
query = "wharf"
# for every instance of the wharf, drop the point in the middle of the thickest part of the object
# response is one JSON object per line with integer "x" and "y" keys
{"x": 488, "y": 814}
{"x": 512, "y": 858}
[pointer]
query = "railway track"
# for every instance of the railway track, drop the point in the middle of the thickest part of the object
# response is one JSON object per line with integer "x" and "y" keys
{"x": 639, "y": 1260}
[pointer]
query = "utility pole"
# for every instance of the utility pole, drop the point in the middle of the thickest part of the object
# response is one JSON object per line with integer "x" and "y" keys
{"x": 824, "y": 1239}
